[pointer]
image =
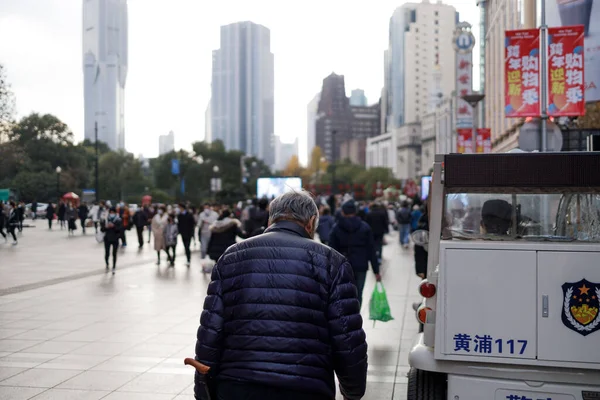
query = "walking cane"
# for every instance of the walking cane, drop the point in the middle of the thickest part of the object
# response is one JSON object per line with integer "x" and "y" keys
{"x": 202, "y": 370}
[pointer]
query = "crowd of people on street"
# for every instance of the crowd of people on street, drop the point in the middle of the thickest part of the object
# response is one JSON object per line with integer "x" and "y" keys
{"x": 253, "y": 249}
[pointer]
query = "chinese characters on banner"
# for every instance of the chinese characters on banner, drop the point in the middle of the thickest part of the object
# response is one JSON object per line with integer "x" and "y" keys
{"x": 464, "y": 85}
{"x": 566, "y": 84}
{"x": 464, "y": 138}
{"x": 484, "y": 140}
{"x": 522, "y": 73}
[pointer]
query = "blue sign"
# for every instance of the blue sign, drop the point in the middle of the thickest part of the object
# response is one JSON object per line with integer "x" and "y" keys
{"x": 175, "y": 166}
{"x": 464, "y": 42}
{"x": 182, "y": 186}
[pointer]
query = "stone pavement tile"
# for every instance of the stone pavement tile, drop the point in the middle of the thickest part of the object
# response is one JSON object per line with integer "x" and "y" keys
{"x": 26, "y": 360}
{"x": 40, "y": 378}
{"x": 83, "y": 336}
{"x": 153, "y": 350}
{"x": 78, "y": 362}
{"x": 67, "y": 325}
{"x": 103, "y": 348}
{"x": 157, "y": 383}
{"x": 184, "y": 397}
{"x": 7, "y": 372}
{"x": 128, "y": 337}
{"x": 129, "y": 364}
{"x": 39, "y": 334}
{"x": 174, "y": 365}
{"x": 98, "y": 380}
{"x": 387, "y": 337}
{"x": 10, "y": 332}
{"x": 137, "y": 396}
{"x": 13, "y": 316}
{"x": 23, "y": 324}
{"x": 381, "y": 374}
{"x": 69, "y": 394}
{"x": 16, "y": 345}
{"x": 174, "y": 338}
{"x": 382, "y": 357}
{"x": 400, "y": 391}
{"x": 18, "y": 393}
{"x": 55, "y": 347}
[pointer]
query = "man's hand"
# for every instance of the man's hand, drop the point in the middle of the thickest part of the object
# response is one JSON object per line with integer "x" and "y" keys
{"x": 378, "y": 277}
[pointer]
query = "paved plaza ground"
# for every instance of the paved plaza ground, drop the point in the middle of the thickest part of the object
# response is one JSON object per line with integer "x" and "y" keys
{"x": 69, "y": 331}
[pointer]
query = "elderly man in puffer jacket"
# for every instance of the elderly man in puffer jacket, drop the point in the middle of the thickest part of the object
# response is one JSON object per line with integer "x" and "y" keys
{"x": 282, "y": 315}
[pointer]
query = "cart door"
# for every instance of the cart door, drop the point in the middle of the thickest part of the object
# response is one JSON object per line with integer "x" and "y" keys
{"x": 490, "y": 303}
{"x": 569, "y": 306}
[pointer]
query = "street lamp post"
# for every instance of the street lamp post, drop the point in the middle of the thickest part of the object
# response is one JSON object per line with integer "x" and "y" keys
{"x": 473, "y": 99}
{"x": 215, "y": 182}
{"x": 96, "y": 186}
{"x": 58, "y": 171}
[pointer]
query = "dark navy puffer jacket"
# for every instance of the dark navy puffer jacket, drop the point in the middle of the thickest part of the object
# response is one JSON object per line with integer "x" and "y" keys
{"x": 282, "y": 310}
{"x": 353, "y": 237}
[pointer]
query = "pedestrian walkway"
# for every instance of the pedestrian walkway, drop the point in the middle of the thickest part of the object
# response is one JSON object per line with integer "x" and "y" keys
{"x": 65, "y": 336}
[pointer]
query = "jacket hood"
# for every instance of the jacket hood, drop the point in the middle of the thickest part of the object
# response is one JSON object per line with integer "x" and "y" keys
{"x": 224, "y": 224}
{"x": 350, "y": 224}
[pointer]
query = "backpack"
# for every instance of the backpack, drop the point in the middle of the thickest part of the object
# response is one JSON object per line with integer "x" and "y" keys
{"x": 403, "y": 216}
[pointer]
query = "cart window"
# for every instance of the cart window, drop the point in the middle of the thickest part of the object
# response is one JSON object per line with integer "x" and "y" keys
{"x": 537, "y": 217}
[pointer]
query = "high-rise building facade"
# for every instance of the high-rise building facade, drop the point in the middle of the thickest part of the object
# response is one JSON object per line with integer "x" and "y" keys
{"x": 242, "y": 102}
{"x": 105, "y": 70}
{"x": 311, "y": 121}
{"x": 418, "y": 42}
{"x": 166, "y": 143}
{"x": 284, "y": 152}
{"x": 341, "y": 129}
{"x": 358, "y": 98}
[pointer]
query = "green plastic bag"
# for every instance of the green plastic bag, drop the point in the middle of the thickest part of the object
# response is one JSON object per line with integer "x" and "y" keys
{"x": 379, "y": 308}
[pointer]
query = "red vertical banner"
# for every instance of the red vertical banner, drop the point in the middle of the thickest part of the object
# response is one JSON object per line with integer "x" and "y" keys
{"x": 464, "y": 137}
{"x": 566, "y": 83}
{"x": 522, "y": 73}
{"x": 484, "y": 140}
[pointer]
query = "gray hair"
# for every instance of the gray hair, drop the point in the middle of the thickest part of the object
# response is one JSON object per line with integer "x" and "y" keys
{"x": 296, "y": 206}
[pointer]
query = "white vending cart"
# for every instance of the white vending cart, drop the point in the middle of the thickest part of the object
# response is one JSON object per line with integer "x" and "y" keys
{"x": 511, "y": 303}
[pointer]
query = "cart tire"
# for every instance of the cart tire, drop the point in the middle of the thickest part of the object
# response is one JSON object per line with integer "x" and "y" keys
{"x": 425, "y": 385}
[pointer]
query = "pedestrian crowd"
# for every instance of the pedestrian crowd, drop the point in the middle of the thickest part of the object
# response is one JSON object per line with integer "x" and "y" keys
{"x": 282, "y": 311}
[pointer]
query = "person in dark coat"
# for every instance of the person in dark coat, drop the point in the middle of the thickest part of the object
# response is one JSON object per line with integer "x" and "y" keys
{"x": 186, "y": 224}
{"x": 354, "y": 239}
{"x": 84, "y": 212}
{"x": 140, "y": 220}
{"x": 258, "y": 218}
{"x": 379, "y": 222}
{"x": 12, "y": 221}
{"x": 62, "y": 212}
{"x": 2, "y": 221}
{"x": 34, "y": 208}
{"x": 20, "y": 215}
{"x": 224, "y": 232}
{"x": 282, "y": 315}
{"x": 111, "y": 226}
{"x": 50, "y": 210}
{"x": 326, "y": 223}
{"x": 421, "y": 254}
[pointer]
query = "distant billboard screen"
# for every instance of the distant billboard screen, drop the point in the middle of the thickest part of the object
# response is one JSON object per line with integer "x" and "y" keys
{"x": 425, "y": 187}
{"x": 271, "y": 187}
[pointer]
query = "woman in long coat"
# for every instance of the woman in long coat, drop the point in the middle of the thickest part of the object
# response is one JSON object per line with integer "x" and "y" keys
{"x": 159, "y": 222}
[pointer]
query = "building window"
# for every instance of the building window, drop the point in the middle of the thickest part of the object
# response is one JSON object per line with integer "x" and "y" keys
{"x": 437, "y": 13}
{"x": 437, "y": 22}
{"x": 437, "y": 31}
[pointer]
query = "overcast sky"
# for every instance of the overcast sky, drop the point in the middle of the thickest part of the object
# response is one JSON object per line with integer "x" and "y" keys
{"x": 170, "y": 44}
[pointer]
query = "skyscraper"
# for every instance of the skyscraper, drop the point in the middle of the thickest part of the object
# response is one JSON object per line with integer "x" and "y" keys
{"x": 242, "y": 107}
{"x": 166, "y": 143}
{"x": 419, "y": 35}
{"x": 358, "y": 98}
{"x": 105, "y": 70}
{"x": 311, "y": 126}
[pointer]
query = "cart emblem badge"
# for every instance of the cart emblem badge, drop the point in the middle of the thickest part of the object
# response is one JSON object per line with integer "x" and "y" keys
{"x": 581, "y": 306}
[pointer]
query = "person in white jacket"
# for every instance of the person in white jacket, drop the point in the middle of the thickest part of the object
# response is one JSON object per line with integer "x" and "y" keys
{"x": 206, "y": 218}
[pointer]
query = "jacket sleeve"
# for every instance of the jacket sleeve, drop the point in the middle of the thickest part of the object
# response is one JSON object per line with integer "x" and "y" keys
{"x": 372, "y": 251}
{"x": 348, "y": 339}
{"x": 210, "y": 332}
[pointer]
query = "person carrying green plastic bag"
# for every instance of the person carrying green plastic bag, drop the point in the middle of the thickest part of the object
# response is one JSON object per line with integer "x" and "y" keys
{"x": 379, "y": 308}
